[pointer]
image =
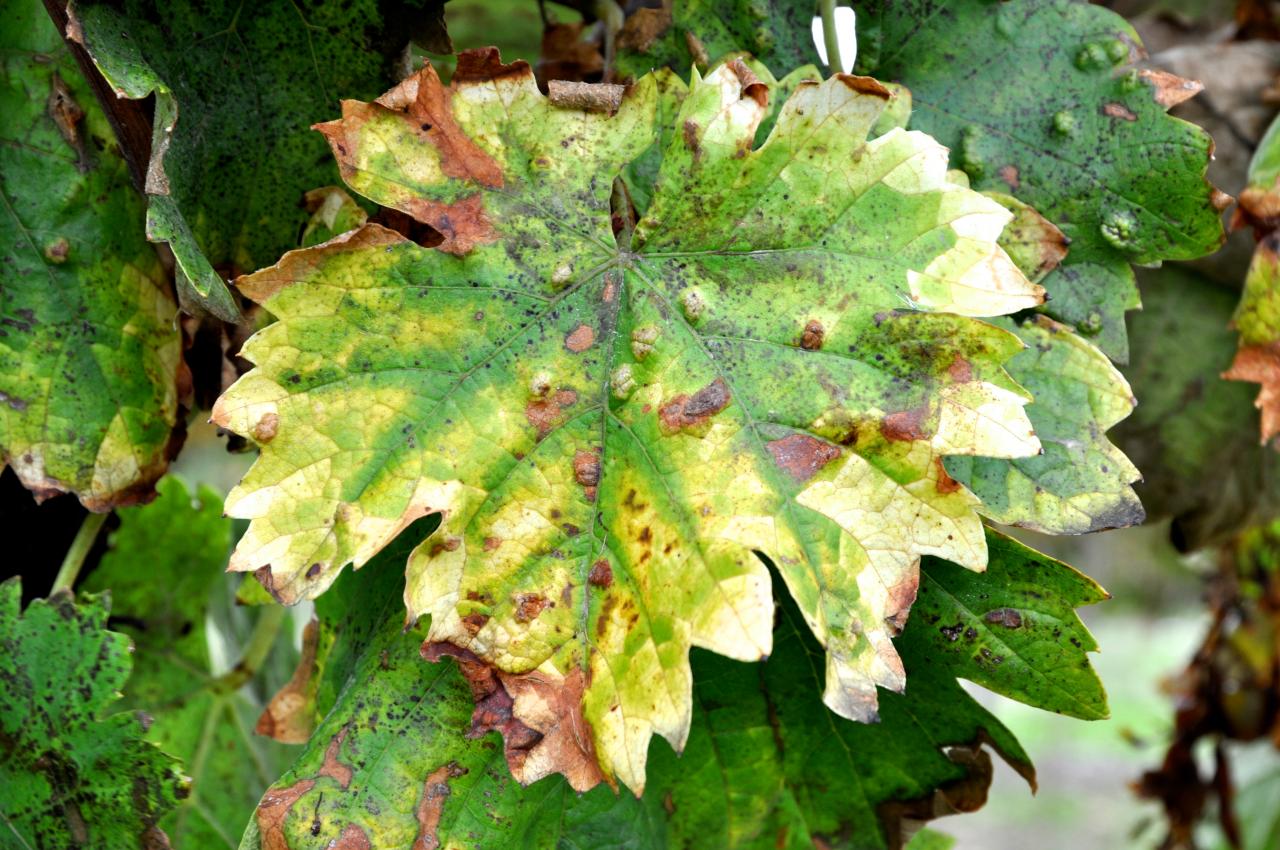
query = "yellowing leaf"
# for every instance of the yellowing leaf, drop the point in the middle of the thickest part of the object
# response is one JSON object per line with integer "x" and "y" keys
{"x": 612, "y": 418}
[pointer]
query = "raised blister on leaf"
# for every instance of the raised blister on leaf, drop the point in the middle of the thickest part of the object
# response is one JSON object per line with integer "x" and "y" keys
{"x": 773, "y": 359}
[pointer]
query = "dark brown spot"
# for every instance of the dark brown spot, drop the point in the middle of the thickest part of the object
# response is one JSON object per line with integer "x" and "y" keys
{"x": 529, "y": 606}
{"x": 811, "y": 339}
{"x": 691, "y": 141}
{"x": 473, "y": 623}
{"x": 646, "y": 535}
{"x": 1010, "y": 618}
{"x": 491, "y": 543}
{"x": 689, "y": 412}
{"x": 801, "y": 456}
{"x": 601, "y": 574}
{"x": 586, "y": 468}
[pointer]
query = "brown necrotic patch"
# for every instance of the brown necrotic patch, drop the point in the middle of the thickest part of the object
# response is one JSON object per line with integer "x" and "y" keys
{"x": 944, "y": 482}
{"x": 812, "y": 337}
{"x": 580, "y": 339}
{"x": 545, "y": 414}
{"x": 801, "y": 456}
{"x": 1119, "y": 110}
{"x": 685, "y": 412}
{"x": 431, "y": 806}
{"x": 1010, "y": 618}
{"x": 601, "y": 574}
{"x": 274, "y": 809}
{"x": 529, "y": 606}
{"x": 539, "y": 715}
{"x": 332, "y": 768}
{"x": 905, "y": 424}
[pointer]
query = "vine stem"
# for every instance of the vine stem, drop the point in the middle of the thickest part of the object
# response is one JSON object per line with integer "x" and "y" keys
{"x": 80, "y": 547}
{"x": 255, "y": 652}
{"x": 829, "y": 35}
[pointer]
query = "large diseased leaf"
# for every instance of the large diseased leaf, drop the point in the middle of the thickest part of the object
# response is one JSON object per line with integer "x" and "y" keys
{"x": 164, "y": 566}
{"x": 1034, "y": 97}
{"x": 89, "y": 352}
{"x": 72, "y": 775}
{"x": 235, "y": 95}
{"x": 766, "y": 766}
{"x": 610, "y": 428}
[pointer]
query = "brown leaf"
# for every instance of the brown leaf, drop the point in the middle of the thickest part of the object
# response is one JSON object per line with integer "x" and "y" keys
{"x": 1260, "y": 364}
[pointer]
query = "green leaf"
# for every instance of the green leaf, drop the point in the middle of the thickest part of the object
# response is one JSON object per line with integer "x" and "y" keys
{"x": 183, "y": 542}
{"x": 73, "y": 775}
{"x": 1081, "y": 482}
{"x": 685, "y": 34}
{"x": 390, "y": 765}
{"x": 1082, "y": 137}
{"x": 89, "y": 352}
{"x": 236, "y": 94}
{"x": 776, "y": 361}
{"x": 1014, "y": 628}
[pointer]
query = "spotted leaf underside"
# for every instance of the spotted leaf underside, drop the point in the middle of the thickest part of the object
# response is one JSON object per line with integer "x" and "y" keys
{"x": 612, "y": 419}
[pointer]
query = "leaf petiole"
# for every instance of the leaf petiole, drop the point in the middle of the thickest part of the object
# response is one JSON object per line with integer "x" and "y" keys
{"x": 75, "y": 556}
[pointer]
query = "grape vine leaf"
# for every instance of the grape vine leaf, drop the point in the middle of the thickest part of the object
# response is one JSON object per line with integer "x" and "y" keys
{"x": 235, "y": 95}
{"x": 183, "y": 540}
{"x": 1085, "y": 139}
{"x": 72, "y": 775}
{"x": 1014, "y": 628}
{"x": 90, "y": 358}
{"x": 767, "y": 765}
{"x": 611, "y": 429}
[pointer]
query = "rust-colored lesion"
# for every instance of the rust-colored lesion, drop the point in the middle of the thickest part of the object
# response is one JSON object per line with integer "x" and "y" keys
{"x": 691, "y": 413}
{"x": 539, "y": 715}
{"x": 430, "y": 808}
{"x": 547, "y": 412}
{"x": 274, "y": 809}
{"x": 943, "y": 482}
{"x": 802, "y": 456}
{"x": 333, "y": 767}
{"x": 905, "y": 425}
{"x": 580, "y": 338}
{"x": 813, "y": 335}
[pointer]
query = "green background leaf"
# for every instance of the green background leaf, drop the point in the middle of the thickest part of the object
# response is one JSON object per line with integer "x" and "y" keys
{"x": 71, "y": 774}
{"x": 90, "y": 356}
